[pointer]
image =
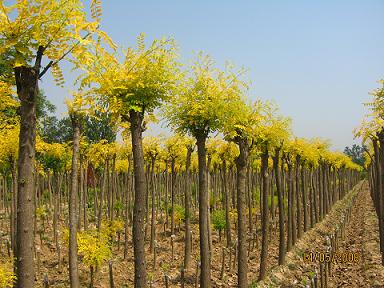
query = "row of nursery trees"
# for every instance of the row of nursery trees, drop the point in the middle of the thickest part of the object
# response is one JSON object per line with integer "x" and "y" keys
{"x": 372, "y": 133}
{"x": 103, "y": 189}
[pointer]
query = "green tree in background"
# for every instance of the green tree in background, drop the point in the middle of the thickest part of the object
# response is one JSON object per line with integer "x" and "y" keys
{"x": 356, "y": 152}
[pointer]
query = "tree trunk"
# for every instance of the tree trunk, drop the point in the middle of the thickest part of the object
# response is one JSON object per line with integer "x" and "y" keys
{"x": 380, "y": 190}
{"x": 205, "y": 274}
{"x": 290, "y": 209}
{"x": 242, "y": 259}
{"x": 187, "y": 247}
{"x": 13, "y": 203}
{"x": 297, "y": 192}
{"x": 173, "y": 188}
{"x": 27, "y": 88}
{"x": 153, "y": 207}
{"x": 304, "y": 198}
{"x": 81, "y": 194}
{"x": 276, "y": 166}
{"x": 311, "y": 198}
{"x": 127, "y": 206}
{"x": 265, "y": 215}
{"x": 136, "y": 120}
{"x": 226, "y": 203}
{"x": 73, "y": 220}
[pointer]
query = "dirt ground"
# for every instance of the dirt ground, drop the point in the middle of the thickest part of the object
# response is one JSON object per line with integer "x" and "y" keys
{"x": 361, "y": 236}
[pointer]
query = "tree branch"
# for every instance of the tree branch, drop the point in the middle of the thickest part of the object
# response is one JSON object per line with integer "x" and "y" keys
{"x": 39, "y": 57}
{"x": 51, "y": 63}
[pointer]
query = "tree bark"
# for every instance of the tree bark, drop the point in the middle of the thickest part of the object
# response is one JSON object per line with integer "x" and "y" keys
{"x": 227, "y": 205}
{"x": 276, "y": 166}
{"x": 136, "y": 120}
{"x": 381, "y": 193}
{"x": 205, "y": 274}
{"x": 242, "y": 259}
{"x": 13, "y": 203}
{"x": 297, "y": 193}
{"x": 187, "y": 247}
{"x": 173, "y": 190}
{"x": 290, "y": 209}
{"x": 265, "y": 215}
{"x": 304, "y": 198}
{"x": 27, "y": 89}
{"x": 73, "y": 220}
{"x": 127, "y": 206}
{"x": 153, "y": 206}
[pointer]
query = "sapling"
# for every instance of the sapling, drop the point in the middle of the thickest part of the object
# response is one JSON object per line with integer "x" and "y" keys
{"x": 150, "y": 280}
{"x": 179, "y": 214}
{"x": 218, "y": 221}
{"x": 38, "y": 259}
{"x": 165, "y": 268}
{"x": 155, "y": 254}
{"x": 198, "y": 263}
{"x": 222, "y": 262}
{"x": 166, "y": 277}
{"x": 94, "y": 246}
{"x": 111, "y": 282}
{"x": 41, "y": 215}
{"x": 173, "y": 236}
{"x": 46, "y": 281}
{"x": 182, "y": 277}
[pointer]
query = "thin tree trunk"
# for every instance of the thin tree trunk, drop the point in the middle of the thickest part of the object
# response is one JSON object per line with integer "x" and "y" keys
{"x": 290, "y": 209}
{"x": 227, "y": 205}
{"x": 13, "y": 204}
{"x": 311, "y": 199}
{"x": 187, "y": 247}
{"x": 127, "y": 204}
{"x": 153, "y": 206}
{"x": 297, "y": 192}
{"x": 276, "y": 166}
{"x": 173, "y": 188}
{"x": 304, "y": 197}
{"x": 380, "y": 190}
{"x": 205, "y": 274}
{"x": 136, "y": 120}
{"x": 73, "y": 220}
{"x": 265, "y": 215}
{"x": 241, "y": 165}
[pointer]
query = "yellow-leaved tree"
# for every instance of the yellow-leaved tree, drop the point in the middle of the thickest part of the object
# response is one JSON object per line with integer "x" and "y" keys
{"x": 206, "y": 95}
{"x": 130, "y": 89}
{"x": 253, "y": 126}
{"x": 372, "y": 130}
{"x": 38, "y": 34}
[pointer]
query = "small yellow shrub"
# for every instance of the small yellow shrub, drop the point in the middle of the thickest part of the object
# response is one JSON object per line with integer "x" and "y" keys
{"x": 7, "y": 277}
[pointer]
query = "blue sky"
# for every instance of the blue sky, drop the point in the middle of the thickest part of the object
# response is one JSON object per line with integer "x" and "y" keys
{"x": 316, "y": 59}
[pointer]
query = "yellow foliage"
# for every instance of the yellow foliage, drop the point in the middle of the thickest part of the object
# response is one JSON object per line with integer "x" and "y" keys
{"x": 41, "y": 212}
{"x": 121, "y": 165}
{"x": 146, "y": 77}
{"x": 6, "y": 102}
{"x": 203, "y": 98}
{"x": 57, "y": 29}
{"x": 97, "y": 153}
{"x": 94, "y": 247}
{"x": 7, "y": 277}
{"x": 176, "y": 146}
{"x": 233, "y": 215}
{"x": 9, "y": 143}
{"x": 151, "y": 147}
{"x": 110, "y": 228}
